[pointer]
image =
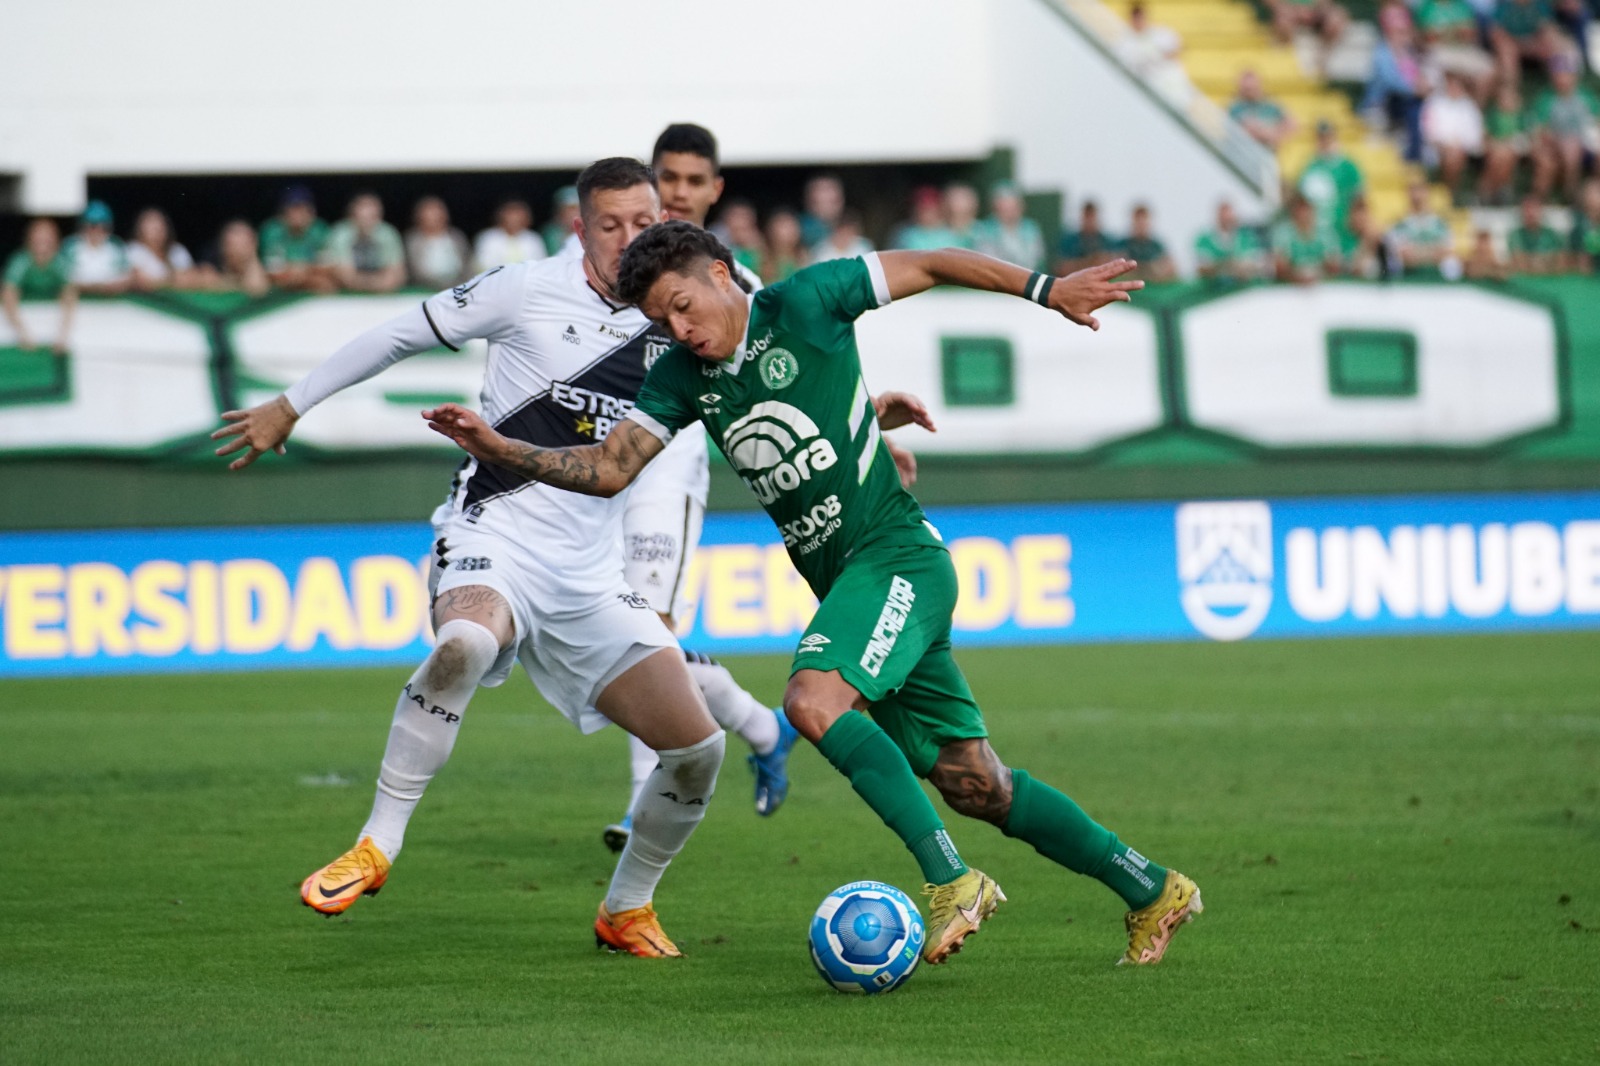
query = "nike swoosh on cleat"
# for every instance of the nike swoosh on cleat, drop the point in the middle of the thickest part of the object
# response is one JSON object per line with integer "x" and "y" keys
{"x": 973, "y": 916}
{"x": 342, "y": 888}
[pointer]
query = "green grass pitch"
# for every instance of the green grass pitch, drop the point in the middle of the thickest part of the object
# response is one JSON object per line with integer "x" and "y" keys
{"x": 1398, "y": 841}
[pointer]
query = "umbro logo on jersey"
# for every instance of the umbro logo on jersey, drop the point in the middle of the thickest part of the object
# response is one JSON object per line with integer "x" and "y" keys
{"x": 813, "y": 642}
{"x": 710, "y": 397}
{"x": 571, "y": 336}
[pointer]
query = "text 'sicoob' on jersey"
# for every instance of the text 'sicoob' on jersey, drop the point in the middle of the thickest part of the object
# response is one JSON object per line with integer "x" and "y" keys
{"x": 564, "y": 366}
{"x": 792, "y": 414}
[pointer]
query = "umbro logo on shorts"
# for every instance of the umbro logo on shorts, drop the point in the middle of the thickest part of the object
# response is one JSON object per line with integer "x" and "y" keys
{"x": 813, "y": 642}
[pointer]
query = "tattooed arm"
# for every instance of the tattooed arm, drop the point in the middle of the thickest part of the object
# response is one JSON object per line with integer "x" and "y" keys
{"x": 594, "y": 469}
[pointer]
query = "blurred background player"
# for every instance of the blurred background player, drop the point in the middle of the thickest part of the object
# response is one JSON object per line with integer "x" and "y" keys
{"x": 523, "y": 572}
{"x": 666, "y": 508}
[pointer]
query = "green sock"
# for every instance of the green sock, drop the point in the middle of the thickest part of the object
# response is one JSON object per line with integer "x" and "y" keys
{"x": 1059, "y": 830}
{"x": 860, "y": 749}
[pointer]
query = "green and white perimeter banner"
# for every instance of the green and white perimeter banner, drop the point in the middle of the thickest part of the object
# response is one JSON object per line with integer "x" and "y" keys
{"x": 1512, "y": 370}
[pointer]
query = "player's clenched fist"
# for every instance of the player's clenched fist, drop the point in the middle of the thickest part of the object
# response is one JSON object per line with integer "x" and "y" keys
{"x": 470, "y": 432}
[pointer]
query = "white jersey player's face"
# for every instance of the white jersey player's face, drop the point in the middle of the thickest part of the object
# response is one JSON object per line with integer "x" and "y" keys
{"x": 705, "y": 314}
{"x": 689, "y": 186}
{"x": 613, "y": 219}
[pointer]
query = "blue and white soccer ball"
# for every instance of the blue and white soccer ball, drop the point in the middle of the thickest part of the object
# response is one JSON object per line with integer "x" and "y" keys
{"x": 866, "y": 937}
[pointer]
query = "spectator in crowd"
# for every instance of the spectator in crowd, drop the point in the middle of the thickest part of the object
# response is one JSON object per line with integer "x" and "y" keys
{"x": 1423, "y": 242}
{"x": 1304, "y": 250}
{"x": 1505, "y": 144}
{"x": 1396, "y": 86}
{"x": 740, "y": 229}
{"x": 1146, "y": 249}
{"x": 1452, "y": 128}
{"x": 1572, "y": 17}
{"x": 98, "y": 259}
{"x": 844, "y": 241}
{"x": 1448, "y": 30}
{"x": 1362, "y": 250}
{"x": 1583, "y": 253}
{"x": 1535, "y": 248}
{"x": 365, "y": 252}
{"x": 510, "y": 240}
{"x": 1558, "y": 49}
{"x": 563, "y": 213}
{"x": 1086, "y": 246}
{"x": 238, "y": 267}
{"x": 1331, "y": 180}
{"x": 1261, "y": 118}
{"x": 1483, "y": 262}
{"x": 1566, "y": 131}
{"x": 292, "y": 243}
{"x": 1229, "y": 253}
{"x": 961, "y": 211}
{"x": 1151, "y": 52}
{"x": 1516, "y": 36}
{"x": 437, "y": 254}
{"x": 1008, "y": 233}
{"x": 784, "y": 252}
{"x": 926, "y": 229}
{"x": 157, "y": 260}
{"x": 1325, "y": 19}
{"x": 39, "y": 270}
{"x": 824, "y": 208}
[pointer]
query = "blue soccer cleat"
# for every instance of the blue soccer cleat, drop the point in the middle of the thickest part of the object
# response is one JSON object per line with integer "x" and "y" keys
{"x": 617, "y": 833}
{"x": 772, "y": 769}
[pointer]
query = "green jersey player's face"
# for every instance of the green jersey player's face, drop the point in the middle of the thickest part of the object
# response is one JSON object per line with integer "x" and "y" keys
{"x": 704, "y": 310}
{"x": 613, "y": 218}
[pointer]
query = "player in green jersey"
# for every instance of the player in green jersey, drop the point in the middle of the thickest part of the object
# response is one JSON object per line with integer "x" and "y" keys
{"x": 776, "y": 380}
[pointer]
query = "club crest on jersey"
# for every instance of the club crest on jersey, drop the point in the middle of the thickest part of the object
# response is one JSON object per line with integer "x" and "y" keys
{"x": 654, "y": 348}
{"x": 779, "y": 368}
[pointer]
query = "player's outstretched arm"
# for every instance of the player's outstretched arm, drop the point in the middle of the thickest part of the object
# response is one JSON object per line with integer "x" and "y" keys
{"x": 262, "y": 429}
{"x": 603, "y": 469}
{"x": 1076, "y": 296}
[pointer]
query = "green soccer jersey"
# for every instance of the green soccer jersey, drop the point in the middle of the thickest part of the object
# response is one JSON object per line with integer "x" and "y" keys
{"x": 793, "y": 416}
{"x": 35, "y": 281}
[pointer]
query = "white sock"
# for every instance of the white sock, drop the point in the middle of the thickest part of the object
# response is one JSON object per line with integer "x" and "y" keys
{"x": 733, "y": 708}
{"x": 426, "y": 721}
{"x": 642, "y": 761}
{"x": 672, "y": 804}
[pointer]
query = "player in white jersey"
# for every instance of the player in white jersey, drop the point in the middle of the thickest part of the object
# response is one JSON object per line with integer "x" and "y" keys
{"x": 666, "y": 507}
{"x": 526, "y": 572}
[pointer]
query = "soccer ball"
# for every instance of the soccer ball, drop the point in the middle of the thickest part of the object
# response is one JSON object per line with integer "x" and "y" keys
{"x": 866, "y": 937}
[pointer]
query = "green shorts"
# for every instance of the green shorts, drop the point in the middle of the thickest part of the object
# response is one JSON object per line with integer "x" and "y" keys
{"x": 885, "y": 626}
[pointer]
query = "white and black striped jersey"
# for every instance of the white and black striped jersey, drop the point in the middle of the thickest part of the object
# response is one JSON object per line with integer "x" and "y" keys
{"x": 564, "y": 365}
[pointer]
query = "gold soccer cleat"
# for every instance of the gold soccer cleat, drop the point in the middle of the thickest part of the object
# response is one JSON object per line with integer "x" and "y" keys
{"x": 956, "y": 910}
{"x": 1150, "y": 930}
{"x": 361, "y": 871}
{"x": 638, "y": 932}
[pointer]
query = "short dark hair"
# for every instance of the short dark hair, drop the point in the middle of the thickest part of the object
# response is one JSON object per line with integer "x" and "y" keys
{"x": 610, "y": 175}
{"x": 687, "y": 137}
{"x": 675, "y": 247}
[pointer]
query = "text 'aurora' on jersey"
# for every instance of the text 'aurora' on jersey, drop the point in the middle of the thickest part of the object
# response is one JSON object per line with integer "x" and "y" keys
{"x": 792, "y": 414}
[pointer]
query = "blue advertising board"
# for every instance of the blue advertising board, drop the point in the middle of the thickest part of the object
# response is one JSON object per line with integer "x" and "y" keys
{"x": 125, "y": 601}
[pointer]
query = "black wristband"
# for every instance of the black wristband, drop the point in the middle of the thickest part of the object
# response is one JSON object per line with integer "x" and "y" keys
{"x": 1038, "y": 288}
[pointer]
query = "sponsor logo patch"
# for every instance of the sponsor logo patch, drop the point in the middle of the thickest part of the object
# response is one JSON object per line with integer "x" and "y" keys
{"x": 891, "y": 620}
{"x": 1225, "y": 566}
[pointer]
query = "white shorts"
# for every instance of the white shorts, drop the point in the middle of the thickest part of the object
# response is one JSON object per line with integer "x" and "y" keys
{"x": 573, "y": 637}
{"x": 661, "y": 524}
